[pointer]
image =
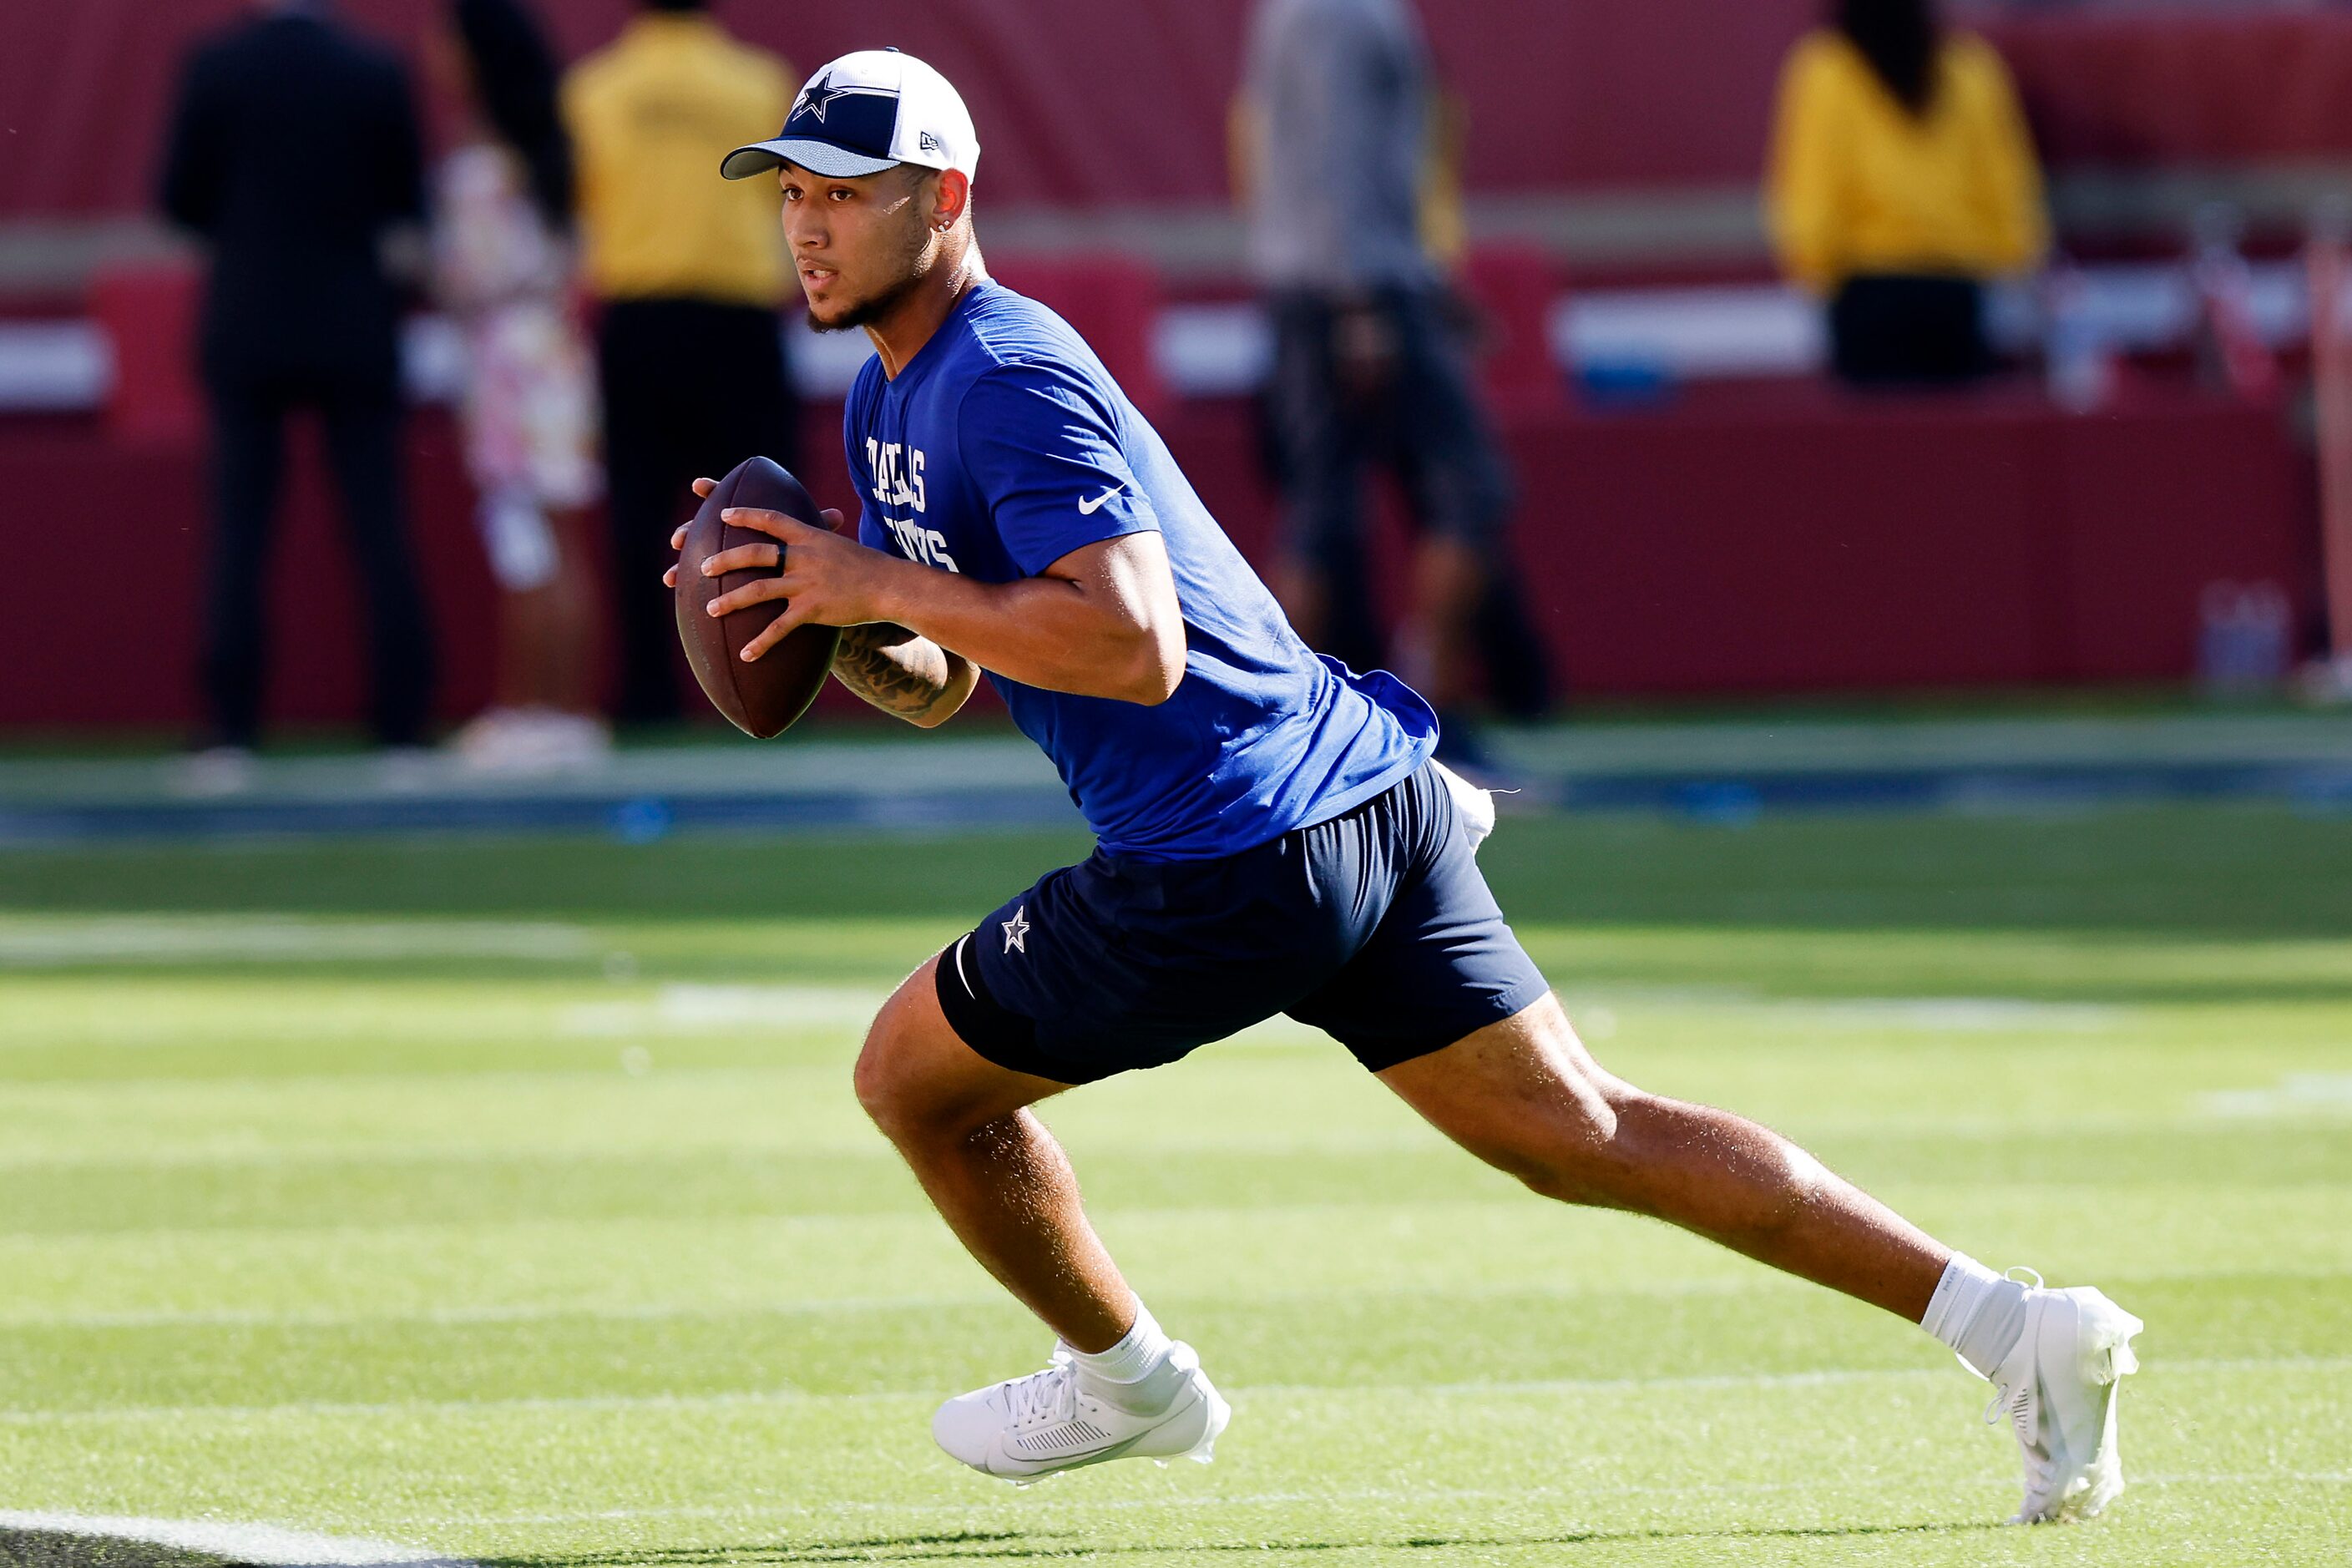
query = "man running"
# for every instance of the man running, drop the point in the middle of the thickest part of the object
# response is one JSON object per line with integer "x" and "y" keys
{"x": 1273, "y": 839}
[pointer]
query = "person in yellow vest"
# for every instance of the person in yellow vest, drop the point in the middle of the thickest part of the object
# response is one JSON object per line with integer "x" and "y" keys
{"x": 691, "y": 272}
{"x": 1901, "y": 180}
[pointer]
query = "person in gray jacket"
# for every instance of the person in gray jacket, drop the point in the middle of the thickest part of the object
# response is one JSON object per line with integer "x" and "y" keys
{"x": 1332, "y": 138}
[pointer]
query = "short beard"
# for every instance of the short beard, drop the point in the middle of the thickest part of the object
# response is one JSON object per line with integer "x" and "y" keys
{"x": 871, "y": 309}
{"x": 874, "y": 307}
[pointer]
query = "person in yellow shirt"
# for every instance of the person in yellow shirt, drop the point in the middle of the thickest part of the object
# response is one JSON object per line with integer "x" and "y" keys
{"x": 691, "y": 272}
{"x": 1902, "y": 179}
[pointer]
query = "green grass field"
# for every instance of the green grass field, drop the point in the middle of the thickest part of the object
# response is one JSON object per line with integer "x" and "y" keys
{"x": 508, "y": 1199}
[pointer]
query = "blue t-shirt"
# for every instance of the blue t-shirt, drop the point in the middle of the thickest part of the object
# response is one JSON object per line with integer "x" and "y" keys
{"x": 1001, "y": 447}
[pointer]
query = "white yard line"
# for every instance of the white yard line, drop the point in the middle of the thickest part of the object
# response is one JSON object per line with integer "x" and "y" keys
{"x": 783, "y": 1396}
{"x": 267, "y": 1544}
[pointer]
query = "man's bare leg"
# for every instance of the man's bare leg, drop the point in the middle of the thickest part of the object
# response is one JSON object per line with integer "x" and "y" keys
{"x": 1526, "y": 1097}
{"x": 1523, "y": 1094}
{"x": 1005, "y": 1186}
{"x": 989, "y": 1167}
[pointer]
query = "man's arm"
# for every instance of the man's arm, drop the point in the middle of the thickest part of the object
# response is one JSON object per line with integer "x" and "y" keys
{"x": 1102, "y": 621}
{"x": 906, "y": 676}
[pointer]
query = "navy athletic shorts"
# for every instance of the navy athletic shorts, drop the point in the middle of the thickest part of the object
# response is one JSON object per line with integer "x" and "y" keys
{"x": 1375, "y": 927}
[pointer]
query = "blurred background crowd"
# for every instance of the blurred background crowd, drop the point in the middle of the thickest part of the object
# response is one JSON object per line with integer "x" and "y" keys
{"x": 1585, "y": 350}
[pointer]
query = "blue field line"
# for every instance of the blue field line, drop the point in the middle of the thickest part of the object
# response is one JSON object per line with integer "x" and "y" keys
{"x": 633, "y": 818}
{"x": 1720, "y": 799}
{"x": 2327, "y": 787}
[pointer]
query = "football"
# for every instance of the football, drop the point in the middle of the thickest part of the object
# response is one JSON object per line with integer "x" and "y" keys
{"x": 764, "y": 697}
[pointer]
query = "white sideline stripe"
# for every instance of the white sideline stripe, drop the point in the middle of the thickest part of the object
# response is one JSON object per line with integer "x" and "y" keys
{"x": 259, "y": 1543}
{"x": 277, "y": 940}
{"x": 1827, "y": 1378}
{"x": 690, "y": 1009}
{"x": 1292, "y": 1499}
{"x": 2295, "y": 1092}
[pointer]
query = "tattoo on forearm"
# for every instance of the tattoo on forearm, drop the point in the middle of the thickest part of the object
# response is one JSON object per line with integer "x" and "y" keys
{"x": 893, "y": 668}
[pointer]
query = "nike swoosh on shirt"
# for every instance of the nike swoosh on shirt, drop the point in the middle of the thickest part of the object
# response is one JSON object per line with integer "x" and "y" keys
{"x": 1089, "y": 508}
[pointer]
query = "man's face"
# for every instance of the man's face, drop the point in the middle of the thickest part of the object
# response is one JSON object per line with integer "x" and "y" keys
{"x": 858, "y": 245}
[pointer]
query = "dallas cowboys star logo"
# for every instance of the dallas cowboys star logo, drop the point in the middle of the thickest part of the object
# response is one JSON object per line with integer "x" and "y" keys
{"x": 1016, "y": 930}
{"x": 821, "y": 92}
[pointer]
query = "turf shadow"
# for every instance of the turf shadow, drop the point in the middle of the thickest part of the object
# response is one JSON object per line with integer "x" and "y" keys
{"x": 61, "y": 1549}
{"x": 968, "y": 1546}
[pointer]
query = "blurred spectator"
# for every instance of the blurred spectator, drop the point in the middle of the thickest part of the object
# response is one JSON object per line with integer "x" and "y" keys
{"x": 503, "y": 262}
{"x": 293, "y": 151}
{"x": 1332, "y": 134}
{"x": 1902, "y": 179}
{"x": 691, "y": 269}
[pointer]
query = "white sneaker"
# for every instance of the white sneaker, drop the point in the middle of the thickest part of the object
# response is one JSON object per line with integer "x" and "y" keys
{"x": 576, "y": 742}
{"x": 1038, "y": 1426}
{"x": 531, "y": 742}
{"x": 214, "y": 773}
{"x": 2057, "y": 1389}
{"x": 407, "y": 770}
{"x": 486, "y": 742}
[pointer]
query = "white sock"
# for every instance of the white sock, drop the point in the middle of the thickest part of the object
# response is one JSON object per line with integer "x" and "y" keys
{"x": 1980, "y": 1314}
{"x": 1135, "y": 1374}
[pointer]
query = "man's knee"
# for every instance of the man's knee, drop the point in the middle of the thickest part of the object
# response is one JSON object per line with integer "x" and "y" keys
{"x": 1649, "y": 1151}
{"x": 919, "y": 1082}
{"x": 892, "y": 1086}
{"x": 1581, "y": 1151}
{"x": 1525, "y": 1096}
{"x": 877, "y": 1081}
{"x": 1585, "y": 1145}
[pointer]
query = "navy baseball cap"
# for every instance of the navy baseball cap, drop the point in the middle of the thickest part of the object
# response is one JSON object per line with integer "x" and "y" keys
{"x": 865, "y": 112}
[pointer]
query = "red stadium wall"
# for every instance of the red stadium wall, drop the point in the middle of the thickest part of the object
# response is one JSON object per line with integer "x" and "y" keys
{"x": 1817, "y": 545}
{"x": 1082, "y": 103}
{"x": 1669, "y": 91}
{"x": 1783, "y": 542}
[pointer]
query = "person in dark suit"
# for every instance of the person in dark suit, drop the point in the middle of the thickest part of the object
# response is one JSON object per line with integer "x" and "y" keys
{"x": 294, "y": 153}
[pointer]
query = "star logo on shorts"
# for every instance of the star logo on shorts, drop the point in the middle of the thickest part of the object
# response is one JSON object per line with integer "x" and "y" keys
{"x": 1016, "y": 930}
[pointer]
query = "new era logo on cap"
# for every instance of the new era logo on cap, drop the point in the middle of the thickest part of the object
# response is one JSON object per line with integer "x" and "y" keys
{"x": 863, "y": 113}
